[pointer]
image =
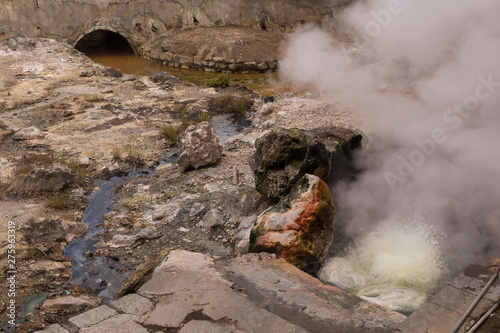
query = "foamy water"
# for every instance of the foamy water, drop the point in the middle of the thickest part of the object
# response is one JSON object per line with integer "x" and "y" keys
{"x": 398, "y": 265}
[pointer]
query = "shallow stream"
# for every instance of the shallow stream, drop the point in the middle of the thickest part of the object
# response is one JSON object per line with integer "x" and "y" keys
{"x": 97, "y": 272}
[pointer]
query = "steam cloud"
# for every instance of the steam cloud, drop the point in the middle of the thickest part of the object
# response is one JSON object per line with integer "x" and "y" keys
{"x": 425, "y": 75}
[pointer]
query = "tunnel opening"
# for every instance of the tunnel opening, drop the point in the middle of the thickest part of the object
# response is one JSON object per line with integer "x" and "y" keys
{"x": 101, "y": 42}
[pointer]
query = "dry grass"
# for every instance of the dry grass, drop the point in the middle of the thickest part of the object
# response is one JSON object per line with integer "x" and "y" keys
{"x": 229, "y": 104}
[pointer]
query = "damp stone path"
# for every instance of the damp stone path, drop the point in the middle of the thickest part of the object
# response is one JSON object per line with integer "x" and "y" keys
{"x": 192, "y": 293}
{"x": 445, "y": 309}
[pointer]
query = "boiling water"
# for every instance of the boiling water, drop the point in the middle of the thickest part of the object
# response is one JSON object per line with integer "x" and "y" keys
{"x": 397, "y": 266}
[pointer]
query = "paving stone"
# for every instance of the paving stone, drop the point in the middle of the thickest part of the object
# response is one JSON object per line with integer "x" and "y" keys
{"x": 124, "y": 323}
{"x": 55, "y": 328}
{"x": 170, "y": 314}
{"x": 177, "y": 281}
{"x": 133, "y": 304}
{"x": 431, "y": 318}
{"x": 198, "y": 326}
{"x": 473, "y": 280}
{"x": 93, "y": 316}
{"x": 448, "y": 306}
{"x": 459, "y": 301}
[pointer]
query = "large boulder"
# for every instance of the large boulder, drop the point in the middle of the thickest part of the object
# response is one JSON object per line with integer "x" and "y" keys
{"x": 283, "y": 157}
{"x": 199, "y": 146}
{"x": 339, "y": 140}
{"x": 300, "y": 227}
{"x": 49, "y": 179}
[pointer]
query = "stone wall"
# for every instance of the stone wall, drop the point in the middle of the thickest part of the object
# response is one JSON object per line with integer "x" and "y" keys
{"x": 141, "y": 20}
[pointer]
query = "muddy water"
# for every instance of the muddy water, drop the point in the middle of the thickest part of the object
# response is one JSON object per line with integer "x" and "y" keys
{"x": 264, "y": 84}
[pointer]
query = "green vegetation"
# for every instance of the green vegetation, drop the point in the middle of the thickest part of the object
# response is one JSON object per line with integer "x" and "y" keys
{"x": 134, "y": 202}
{"x": 33, "y": 160}
{"x": 204, "y": 116}
{"x": 220, "y": 81}
{"x": 117, "y": 153}
{"x": 171, "y": 132}
{"x": 134, "y": 156}
{"x": 61, "y": 201}
{"x": 229, "y": 104}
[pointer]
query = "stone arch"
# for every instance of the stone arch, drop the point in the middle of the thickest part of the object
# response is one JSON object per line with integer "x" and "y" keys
{"x": 124, "y": 35}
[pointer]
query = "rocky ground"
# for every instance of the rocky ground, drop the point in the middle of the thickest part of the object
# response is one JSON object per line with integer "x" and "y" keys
{"x": 70, "y": 121}
{"x": 67, "y": 122}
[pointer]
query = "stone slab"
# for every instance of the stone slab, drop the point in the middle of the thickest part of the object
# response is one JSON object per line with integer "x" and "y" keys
{"x": 431, "y": 318}
{"x": 447, "y": 307}
{"x": 55, "y": 328}
{"x": 474, "y": 278}
{"x": 133, "y": 304}
{"x": 124, "y": 323}
{"x": 93, "y": 316}
{"x": 170, "y": 313}
{"x": 197, "y": 326}
{"x": 459, "y": 301}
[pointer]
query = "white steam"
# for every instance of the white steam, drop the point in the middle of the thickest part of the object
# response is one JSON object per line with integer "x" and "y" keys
{"x": 426, "y": 77}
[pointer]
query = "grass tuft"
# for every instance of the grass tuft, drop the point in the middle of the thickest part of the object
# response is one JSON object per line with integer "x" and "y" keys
{"x": 220, "y": 81}
{"x": 60, "y": 201}
{"x": 229, "y": 104}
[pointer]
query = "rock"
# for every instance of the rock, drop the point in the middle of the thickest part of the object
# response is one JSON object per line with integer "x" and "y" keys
{"x": 338, "y": 139}
{"x": 93, "y": 316}
{"x": 12, "y": 44}
{"x": 133, "y": 304}
{"x": 283, "y": 157}
{"x": 195, "y": 326}
{"x": 83, "y": 160}
{"x": 128, "y": 77}
{"x": 129, "y": 240}
{"x": 263, "y": 112}
{"x": 28, "y": 133}
{"x": 141, "y": 275}
{"x": 212, "y": 219}
{"x": 164, "y": 168}
{"x": 166, "y": 212}
{"x": 188, "y": 285}
{"x": 199, "y": 146}
{"x": 162, "y": 77}
{"x": 165, "y": 46}
{"x": 242, "y": 201}
{"x": 69, "y": 304}
{"x": 48, "y": 235}
{"x": 196, "y": 209}
{"x": 54, "y": 328}
{"x": 49, "y": 179}
{"x": 122, "y": 323}
{"x": 300, "y": 227}
{"x": 113, "y": 72}
{"x": 139, "y": 85}
{"x": 242, "y": 235}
